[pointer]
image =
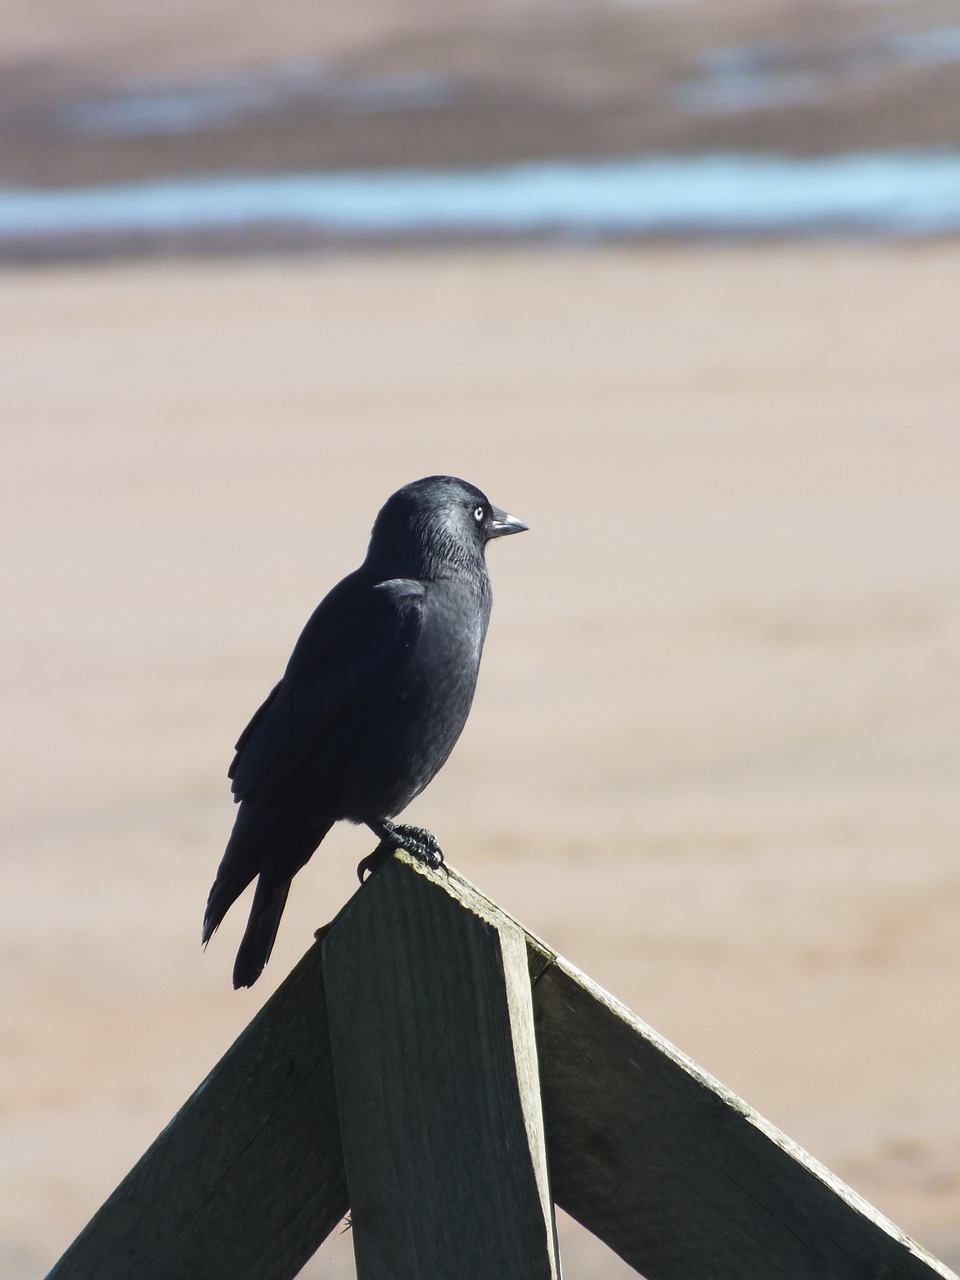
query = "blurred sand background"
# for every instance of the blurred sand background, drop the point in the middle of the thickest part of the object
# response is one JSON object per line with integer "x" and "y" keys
{"x": 714, "y": 753}
{"x": 377, "y": 83}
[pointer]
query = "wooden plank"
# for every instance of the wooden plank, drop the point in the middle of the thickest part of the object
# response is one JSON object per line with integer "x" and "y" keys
{"x": 677, "y": 1174}
{"x": 431, "y": 1028}
{"x": 658, "y": 1159}
{"x": 247, "y": 1180}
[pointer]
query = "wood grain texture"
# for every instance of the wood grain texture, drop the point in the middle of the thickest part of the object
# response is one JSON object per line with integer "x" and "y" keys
{"x": 677, "y": 1174}
{"x": 247, "y": 1179}
{"x": 431, "y": 1027}
{"x": 441, "y": 1052}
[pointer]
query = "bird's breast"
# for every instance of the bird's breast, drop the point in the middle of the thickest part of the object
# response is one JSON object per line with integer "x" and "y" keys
{"x": 406, "y": 746}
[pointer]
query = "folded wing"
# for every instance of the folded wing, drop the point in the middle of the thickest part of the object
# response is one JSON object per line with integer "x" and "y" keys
{"x": 345, "y": 672}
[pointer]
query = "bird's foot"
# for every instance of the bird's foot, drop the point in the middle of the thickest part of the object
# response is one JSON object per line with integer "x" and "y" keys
{"x": 421, "y": 844}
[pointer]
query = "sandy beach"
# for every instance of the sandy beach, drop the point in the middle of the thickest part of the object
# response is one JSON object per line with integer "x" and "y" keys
{"x": 714, "y": 754}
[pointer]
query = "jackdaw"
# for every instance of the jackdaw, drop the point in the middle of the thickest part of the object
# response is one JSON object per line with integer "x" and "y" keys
{"x": 373, "y": 699}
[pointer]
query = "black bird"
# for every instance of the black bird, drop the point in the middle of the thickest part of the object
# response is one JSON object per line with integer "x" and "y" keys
{"x": 374, "y": 697}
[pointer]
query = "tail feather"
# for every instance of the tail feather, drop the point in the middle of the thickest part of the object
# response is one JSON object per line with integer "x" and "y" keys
{"x": 260, "y": 848}
{"x": 241, "y": 862}
{"x": 261, "y": 931}
{"x": 219, "y": 901}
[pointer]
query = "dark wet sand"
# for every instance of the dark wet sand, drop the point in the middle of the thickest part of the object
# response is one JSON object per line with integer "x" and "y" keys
{"x": 511, "y": 81}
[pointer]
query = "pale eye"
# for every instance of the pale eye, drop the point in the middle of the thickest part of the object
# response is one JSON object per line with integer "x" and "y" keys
{"x": 478, "y": 514}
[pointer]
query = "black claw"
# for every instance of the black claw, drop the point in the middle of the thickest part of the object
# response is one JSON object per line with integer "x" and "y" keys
{"x": 421, "y": 844}
{"x": 425, "y": 839}
{"x": 374, "y": 861}
{"x": 423, "y": 853}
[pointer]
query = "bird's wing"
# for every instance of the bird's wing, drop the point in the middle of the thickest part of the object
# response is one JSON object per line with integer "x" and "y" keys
{"x": 345, "y": 671}
{"x": 255, "y": 719}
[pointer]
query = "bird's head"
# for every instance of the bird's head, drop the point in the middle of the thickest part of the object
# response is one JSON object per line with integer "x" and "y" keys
{"x": 436, "y": 522}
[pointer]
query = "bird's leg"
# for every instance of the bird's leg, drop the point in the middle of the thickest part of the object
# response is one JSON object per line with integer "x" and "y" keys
{"x": 422, "y": 844}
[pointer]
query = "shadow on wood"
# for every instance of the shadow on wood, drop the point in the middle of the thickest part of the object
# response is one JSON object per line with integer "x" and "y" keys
{"x": 442, "y": 1014}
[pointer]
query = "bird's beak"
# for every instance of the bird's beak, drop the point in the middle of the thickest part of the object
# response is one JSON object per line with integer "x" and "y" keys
{"x": 500, "y": 523}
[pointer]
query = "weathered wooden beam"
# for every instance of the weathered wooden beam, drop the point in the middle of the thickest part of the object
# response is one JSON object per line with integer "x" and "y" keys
{"x": 247, "y": 1179}
{"x": 650, "y": 1153}
{"x": 431, "y": 1028}
{"x": 672, "y": 1170}
{"x": 678, "y": 1175}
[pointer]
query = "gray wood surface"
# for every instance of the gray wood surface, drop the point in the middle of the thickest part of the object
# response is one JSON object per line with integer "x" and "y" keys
{"x": 247, "y": 1179}
{"x": 677, "y": 1174}
{"x": 432, "y": 1016}
{"x": 431, "y": 1028}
